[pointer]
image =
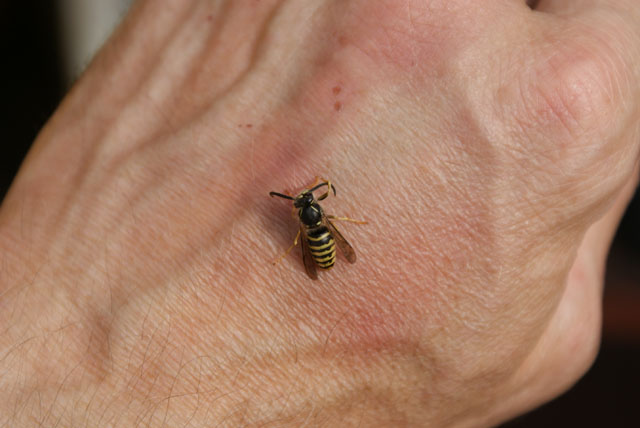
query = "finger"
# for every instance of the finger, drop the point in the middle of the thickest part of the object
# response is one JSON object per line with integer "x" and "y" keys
{"x": 582, "y": 299}
{"x": 592, "y": 254}
{"x": 574, "y": 328}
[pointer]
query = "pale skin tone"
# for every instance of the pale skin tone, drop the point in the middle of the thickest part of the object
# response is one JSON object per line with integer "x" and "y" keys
{"x": 491, "y": 149}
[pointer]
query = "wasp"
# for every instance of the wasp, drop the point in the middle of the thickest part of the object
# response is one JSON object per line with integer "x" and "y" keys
{"x": 319, "y": 235}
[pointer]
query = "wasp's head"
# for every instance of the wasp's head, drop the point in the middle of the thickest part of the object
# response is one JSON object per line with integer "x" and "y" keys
{"x": 304, "y": 199}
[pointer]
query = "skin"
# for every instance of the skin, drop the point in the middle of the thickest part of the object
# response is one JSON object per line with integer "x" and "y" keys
{"x": 491, "y": 148}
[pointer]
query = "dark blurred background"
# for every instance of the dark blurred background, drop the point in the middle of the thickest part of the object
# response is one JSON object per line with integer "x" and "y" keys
{"x": 40, "y": 59}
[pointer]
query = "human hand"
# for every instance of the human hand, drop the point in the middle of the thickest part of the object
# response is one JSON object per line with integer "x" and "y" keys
{"x": 490, "y": 147}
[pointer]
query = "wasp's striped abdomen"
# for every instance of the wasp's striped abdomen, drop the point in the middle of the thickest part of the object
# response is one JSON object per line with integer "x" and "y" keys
{"x": 322, "y": 246}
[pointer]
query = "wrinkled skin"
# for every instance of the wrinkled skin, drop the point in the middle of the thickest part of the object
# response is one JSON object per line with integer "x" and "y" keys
{"x": 490, "y": 147}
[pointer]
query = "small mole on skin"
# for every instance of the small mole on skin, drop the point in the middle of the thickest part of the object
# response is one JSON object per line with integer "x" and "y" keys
{"x": 336, "y": 90}
{"x": 337, "y": 106}
{"x": 209, "y": 17}
{"x": 249, "y": 125}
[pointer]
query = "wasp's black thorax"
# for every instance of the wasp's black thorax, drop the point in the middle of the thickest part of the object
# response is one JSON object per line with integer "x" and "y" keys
{"x": 310, "y": 215}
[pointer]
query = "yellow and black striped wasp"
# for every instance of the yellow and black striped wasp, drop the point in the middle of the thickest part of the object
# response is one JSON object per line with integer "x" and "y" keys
{"x": 319, "y": 235}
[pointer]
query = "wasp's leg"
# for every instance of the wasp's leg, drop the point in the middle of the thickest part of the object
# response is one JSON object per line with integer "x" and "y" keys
{"x": 330, "y": 188}
{"x": 295, "y": 242}
{"x": 332, "y": 217}
{"x": 317, "y": 180}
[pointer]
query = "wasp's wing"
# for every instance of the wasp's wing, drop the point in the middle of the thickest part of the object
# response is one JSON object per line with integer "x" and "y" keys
{"x": 347, "y": 250}
{"x": 307, "y": 258}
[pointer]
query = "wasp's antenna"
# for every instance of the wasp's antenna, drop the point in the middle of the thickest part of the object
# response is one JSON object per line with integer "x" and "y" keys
{"x": 280, "y": 195}
{"x": 326, "y": 183}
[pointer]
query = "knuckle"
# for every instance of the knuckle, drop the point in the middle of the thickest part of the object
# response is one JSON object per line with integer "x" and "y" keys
{"x": 573, "y": 94}
{"x": 577, "y": 88}
{"x": 565, "y": 116}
